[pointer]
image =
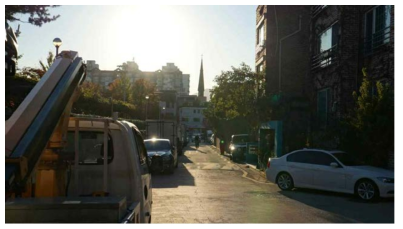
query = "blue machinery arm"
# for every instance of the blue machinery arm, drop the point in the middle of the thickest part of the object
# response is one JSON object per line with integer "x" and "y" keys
{"x": 26, "y": 153}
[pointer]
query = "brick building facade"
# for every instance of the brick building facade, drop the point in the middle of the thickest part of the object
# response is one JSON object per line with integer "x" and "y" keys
{"x": 345, "y": 41}
{"x": 322, "y": 62}
{"x": 282, "y": 54}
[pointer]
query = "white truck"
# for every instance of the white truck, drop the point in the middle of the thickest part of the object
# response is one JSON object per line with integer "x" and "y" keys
{"x": 66, "y": 169}
{"x": 162, "y": 129}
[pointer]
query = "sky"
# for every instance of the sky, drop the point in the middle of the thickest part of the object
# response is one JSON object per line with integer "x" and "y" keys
{"x": 151, "y": 35}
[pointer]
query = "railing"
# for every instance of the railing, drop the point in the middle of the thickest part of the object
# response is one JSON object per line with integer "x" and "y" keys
{"x": 375, "y": 41}
{"x": 324, "y": 58}
{"x": 315, "y": 10}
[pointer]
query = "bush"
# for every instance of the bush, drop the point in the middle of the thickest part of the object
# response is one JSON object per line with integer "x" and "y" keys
{"x": 96, "y": 105}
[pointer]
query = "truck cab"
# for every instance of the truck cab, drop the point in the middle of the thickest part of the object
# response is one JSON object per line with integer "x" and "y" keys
{"x": 64, "y": 168}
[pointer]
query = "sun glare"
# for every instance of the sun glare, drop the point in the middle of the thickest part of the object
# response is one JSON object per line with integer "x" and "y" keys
{"x": 151, "y": 38}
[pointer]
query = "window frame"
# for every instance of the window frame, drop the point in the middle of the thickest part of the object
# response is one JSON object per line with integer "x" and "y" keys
{"x": 288, "y": 159}
{"x": 100, "y": 161}
{"x": 319, "y": 40}
{"x": 328, "y": 99}
{"x": 316, "y": 158}
{"x": 386, "y": 39}
{"x": 260, "y": 35}
{"x": 141, "y": 150}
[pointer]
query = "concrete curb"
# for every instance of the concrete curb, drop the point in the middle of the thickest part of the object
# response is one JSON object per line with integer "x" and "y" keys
{"x": 245, "y": 173}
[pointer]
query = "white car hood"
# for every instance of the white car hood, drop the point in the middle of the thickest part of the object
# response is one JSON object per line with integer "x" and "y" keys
{"x": 374, "y": 170}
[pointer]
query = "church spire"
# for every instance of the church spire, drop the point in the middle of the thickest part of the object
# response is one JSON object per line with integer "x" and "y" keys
{"x": 201, "y": 80}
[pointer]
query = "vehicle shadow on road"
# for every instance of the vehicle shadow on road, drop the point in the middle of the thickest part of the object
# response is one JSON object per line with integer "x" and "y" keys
{"x": 180, "y": 177}
{"x": 345, "y": 205}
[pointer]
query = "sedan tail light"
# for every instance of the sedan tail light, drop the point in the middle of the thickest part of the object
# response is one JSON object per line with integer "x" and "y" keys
{"x": 268, "y": 163}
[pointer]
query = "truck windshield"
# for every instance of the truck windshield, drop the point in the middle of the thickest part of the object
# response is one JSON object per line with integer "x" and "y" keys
{"x": 157, "y": 145}
{"x": 240, "y": 139}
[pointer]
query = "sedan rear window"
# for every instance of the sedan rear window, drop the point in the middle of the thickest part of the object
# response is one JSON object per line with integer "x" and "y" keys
{"x": 157, "y": 145}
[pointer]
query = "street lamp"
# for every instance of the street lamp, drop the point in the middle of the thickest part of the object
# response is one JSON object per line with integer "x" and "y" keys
{"x": 57, "y": 42}
{"x": 147, "y": 97}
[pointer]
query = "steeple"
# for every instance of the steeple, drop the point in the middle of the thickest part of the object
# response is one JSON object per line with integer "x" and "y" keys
{"x": 201, "y": 80}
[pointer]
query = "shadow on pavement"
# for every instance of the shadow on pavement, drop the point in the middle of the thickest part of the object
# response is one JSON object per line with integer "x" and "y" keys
{"x": 181, "y": 176}
{"x": 346, "y": 205}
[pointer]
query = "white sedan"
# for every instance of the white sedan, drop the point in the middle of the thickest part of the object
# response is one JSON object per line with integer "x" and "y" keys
{"x": 329, "y": 170}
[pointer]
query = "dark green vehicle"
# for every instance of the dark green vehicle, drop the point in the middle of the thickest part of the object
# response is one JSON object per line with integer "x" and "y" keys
{"x": 238, "y": 146}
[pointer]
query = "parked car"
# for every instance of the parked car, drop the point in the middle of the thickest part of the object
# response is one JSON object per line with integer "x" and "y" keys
{"x": 238, "y": 146}
{"x": 162, "y": 155}
{"x": 332, "y": 171}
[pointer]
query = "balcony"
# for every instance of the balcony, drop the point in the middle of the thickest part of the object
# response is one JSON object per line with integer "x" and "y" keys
{"x": 378, "y": 39}
{"x": 324, "y": 58}
{"x": 315, "y": 10}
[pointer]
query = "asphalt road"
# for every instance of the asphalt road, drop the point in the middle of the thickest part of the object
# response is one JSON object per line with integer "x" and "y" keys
{"x": 208, "y": 188}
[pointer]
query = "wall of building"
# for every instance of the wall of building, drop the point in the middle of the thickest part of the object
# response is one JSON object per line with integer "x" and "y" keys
{"x": 192, "y": 117}
{"x": 292, "y": 81}
{"x": 169, "y": 78}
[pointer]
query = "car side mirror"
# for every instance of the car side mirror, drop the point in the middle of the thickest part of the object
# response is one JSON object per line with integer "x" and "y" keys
{"x": 334, "y": 165}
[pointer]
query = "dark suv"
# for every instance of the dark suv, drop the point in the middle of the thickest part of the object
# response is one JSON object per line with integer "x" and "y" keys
{"x": 238, "y": 146}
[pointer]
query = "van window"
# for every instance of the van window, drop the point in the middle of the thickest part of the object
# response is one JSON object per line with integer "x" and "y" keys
{"x": 140, "y": 147}
{"x": 91, "y": 147}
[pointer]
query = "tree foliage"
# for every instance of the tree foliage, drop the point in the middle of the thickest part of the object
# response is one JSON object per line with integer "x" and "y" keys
{"x": 38, "y": 14}
{"x": 120, "y": 88}
{"x": 49, "y": 61}
{"x": 140, "y": 89}
{"x": 233, "y": 106}
{"x": 369, "y": 131}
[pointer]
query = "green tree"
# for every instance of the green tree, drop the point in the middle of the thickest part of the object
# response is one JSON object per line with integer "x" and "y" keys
{"x": 369, "y": 131}
{"x": 38, "y": 14}
{"x": 120, "y": 88}
{"x": 232, "y": 109}
{"x": 49, "y": 61}
{"x": 140, "y": 89}
{"x": 90, "y": 89}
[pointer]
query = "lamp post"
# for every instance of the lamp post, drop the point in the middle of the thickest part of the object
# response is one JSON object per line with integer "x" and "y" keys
{"x": 57, "y": 42}
{"x": 147, "y": 97}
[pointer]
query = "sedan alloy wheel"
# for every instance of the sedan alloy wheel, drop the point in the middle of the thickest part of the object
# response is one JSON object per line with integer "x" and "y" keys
{"x": 285, "y": 182}
{"x": 366, "y": 190}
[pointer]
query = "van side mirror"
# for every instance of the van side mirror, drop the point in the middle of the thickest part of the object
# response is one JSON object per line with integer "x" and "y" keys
{"x": 334, "y": 165}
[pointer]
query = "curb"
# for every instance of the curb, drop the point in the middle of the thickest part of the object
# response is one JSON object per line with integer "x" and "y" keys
{"x": 245, "y": 173}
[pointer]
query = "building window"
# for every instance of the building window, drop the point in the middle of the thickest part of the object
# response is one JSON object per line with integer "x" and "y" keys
{"x": 196, "y": 119}
{"x": 194, "y": 111}
{"x": 326, "y": 46}
{"x": 260, "y": 35}
{"x": 329, "y": 38}
{"x": 323, "y": 106}
{"x": 259, "y": 68}
{"x": 377, "y": 27}
{"x": 184, "y": 119}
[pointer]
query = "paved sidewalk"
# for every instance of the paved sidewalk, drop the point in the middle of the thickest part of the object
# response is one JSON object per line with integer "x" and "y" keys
{"x": 249, "y": 170}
